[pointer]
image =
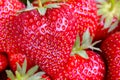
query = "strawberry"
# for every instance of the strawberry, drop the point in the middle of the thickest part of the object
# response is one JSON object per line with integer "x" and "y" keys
{"x": 19, "y": 58}
{"x": 110, "y": 48}
{"x": 79, "y": 68}
{"x": 83, "y": 62}
{"x": 8, "y": 9}
{"x": 46, "y": 77}
{"x": 3, "y": 61}
{"x": 108, "y": 18}
{"x": 46, "y": 38}
{"x": 46, "y": 33}
{"x": 22, "y": 74}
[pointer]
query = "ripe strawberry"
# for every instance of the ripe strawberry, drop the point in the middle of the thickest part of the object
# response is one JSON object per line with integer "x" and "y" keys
{"x": 46, "y": 77}
{"x": 8, "y": 9}
{"x": 19, "y": 58}
{"x": 46, "y": 39}
{"x": 110, "y": 48}
{"x": 22, "y": 74}
{"x": 3, "y": 61}
{"x": 108, "y": 16}
{"x": 79, "y": 68}
{"x": 48, "y": 35}
{"x": 83, "y": 63}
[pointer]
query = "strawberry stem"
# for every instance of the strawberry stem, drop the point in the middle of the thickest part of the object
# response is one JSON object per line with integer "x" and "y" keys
{"x": 39, "y": 3}
{"x": 112, "y": 2}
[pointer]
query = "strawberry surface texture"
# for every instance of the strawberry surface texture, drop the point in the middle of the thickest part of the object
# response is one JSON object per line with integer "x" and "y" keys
{"x": 60, "y": 39}
{"x": 111, "y": 53}
{"x": 48, "y": 39}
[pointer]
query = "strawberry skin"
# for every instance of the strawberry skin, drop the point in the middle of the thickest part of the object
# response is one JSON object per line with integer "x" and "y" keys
{"x": 103, "y": 33}
{"x": 19, "y": 58}
{"x": 3, "y": 61}
{"x": 8, "y": 9}
{"x": 87, "y": 11}
{"x": 46, "y": 77}
{"x": 46, "y": 39}
{"x": 44, "y": 42}
{"x": 110, "y": 48}
{"x": 79, "y": 68}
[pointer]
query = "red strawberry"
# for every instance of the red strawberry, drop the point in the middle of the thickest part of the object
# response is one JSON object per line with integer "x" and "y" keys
{"x": 79, "y": 68}
{"x": 46, "y": 77}
{"x": 46, "y": 39}
{"x": 48, "y": 36}
{"x": 3, "y": 61}
{"x": 108, "y": 16}
{"x": 19, "y": 58}
{"x": 22, "y": 74}
{"x": 8, "y": 9}
{"x": 111, "y": 48}
{"x": 83, "y": 63}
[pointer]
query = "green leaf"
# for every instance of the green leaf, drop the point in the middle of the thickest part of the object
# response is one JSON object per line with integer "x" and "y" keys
{"x": 95, "y": 48}
{"x": 18, "y": 75}
{"x": 42, "y": 10}
{"x": 53, "y": 5}
{"x": 100, "y": 1}
{"x": 96, "y": 42}
{"x": 77, "y": 41}
{"x": 108, "y": 21}
{"x": 86, "y": 39}
{"x": 32, "y": 71}
{"x": 29, "y": 5}
{"x": 113, "y": 26}
{"x": 10, "y": 74}
{"x": 36, "y": 76}
{"x": 21, "y": 73}
{"x": 28, "y": 8}
{"x": 25, "y": 2}
{"x": 83, "y": 54}
{"x": 101, "y": 11}
{"x": 24, "y": 67}
{"x": 19, "y": 68}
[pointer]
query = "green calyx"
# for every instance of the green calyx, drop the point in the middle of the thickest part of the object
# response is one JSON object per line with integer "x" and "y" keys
{"x": 79, "y": 48}
{"x": 22, "y": 74}
{"x": 43, "y": 5}
{"x": 109, "y": 10}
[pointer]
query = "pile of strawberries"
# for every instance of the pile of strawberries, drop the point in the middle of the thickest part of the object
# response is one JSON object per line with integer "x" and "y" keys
{"x": 66, "y": 39}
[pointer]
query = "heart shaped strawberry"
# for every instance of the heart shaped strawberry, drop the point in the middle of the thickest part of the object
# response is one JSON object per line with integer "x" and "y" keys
{"x": 47, "y": 33}
{"x": 47, "y": 39}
